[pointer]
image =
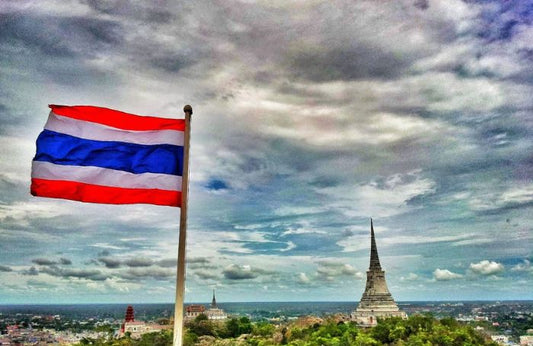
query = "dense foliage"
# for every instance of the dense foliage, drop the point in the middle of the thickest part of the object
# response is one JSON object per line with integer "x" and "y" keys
{"x": 163, "y": 338}
{"x": 417, "y": 330}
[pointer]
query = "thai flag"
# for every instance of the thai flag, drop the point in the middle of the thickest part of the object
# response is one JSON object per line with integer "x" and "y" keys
{"x": 100, "y": 155}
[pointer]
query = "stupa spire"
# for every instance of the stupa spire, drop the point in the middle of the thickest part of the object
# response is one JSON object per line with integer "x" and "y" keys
{"x": 374, "y": 258}
{"x": 214, "y": 301}
{"x": 376, "y": 301}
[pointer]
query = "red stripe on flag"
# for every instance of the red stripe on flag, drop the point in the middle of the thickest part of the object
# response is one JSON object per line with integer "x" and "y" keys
{"x": 118, "y": 119}
{"x": 103, "y": 194}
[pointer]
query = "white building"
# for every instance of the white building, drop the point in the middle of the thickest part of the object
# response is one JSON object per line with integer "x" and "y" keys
{"x": 213, "y": 313}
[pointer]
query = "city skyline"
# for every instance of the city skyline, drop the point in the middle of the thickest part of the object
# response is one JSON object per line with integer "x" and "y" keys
{"x": 310, "y": 118}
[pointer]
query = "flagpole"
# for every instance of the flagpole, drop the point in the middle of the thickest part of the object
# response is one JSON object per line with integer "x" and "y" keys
{"x": 180, "y": 277}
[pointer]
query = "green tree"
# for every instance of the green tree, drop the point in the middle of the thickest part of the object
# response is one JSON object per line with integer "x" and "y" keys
{"x": 382, "y": 332}
{"x": 263, "y": 329}
{"x": 232, "y": 328}
{"x": 201, "y": 317}
{"x": 296, "y": 333}
{"x": 365, "y": 340}
{"x": 245, "y": 325}
{"x": 162, "y": 338}
{"x": 202, "y": 327}
{"x": 189, "y": 339}
{"x": 350, "y": 335}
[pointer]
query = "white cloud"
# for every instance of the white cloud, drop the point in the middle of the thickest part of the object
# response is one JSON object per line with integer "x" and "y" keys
{"x": 107, "y": 246}
{"x": 425, "y": 239}
{"x": 330, "y": 269}
{"x": 291, "y": 231}
{"x": 372, "y": 129}
{"x": 290, "y": 246}
{"x": 409, "y": 277}
{"x": 489, "y": 199}
{"x": 445, "y": 275}
{"x": 525, "y": 266}
{"x": 517, "y": 195}
{"x": 385, "y": 198}
{"x": 303, "y": 279}
{"x": 486, "y": 267}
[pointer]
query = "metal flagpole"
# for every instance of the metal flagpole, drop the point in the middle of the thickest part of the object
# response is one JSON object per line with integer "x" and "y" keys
{"x": 180, "y": 278}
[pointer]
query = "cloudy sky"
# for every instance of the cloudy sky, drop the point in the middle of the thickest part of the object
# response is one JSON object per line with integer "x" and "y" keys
{"x": 310, "y": 117}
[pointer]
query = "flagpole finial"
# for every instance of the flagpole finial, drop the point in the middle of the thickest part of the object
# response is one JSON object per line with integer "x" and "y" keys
{"x": 187, "y": 109}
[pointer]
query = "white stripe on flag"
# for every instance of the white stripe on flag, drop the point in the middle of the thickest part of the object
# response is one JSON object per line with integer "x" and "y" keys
{"x": 94, "y": 131}
{"x": 105, "y": 177}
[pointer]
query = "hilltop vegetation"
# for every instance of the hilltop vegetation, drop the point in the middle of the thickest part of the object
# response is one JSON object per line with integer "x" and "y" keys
{"x": 418, "y": 330}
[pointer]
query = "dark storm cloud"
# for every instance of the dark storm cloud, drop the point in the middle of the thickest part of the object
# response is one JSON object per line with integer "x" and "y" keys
{"x": 216, "y": 184}
{"x": 421, "y": 4}
{"x": 235, "y": 272}
{"x": 323, "y": 181}
{"x": 138, "y": 262}
{"x": 61, "y": 49}
{"x": 135, "y": 274}
{"x": 5, "y": 268}
{"x": 243, "y": 272}
{"x": 359, "y": 62}
{"x": 94, "y": 275}
{"x": 65, "y": 261}
{"x": 32, "y": 271}
{"x": 167, "y": 263}
{"x": 150, "y": 47}
{"x": 152, "y": 13}
{"x": 110, "y": 262}
{"x": 503, "y": 131}
{"x": 171, "y": 62}
{"x": 198, "y": 260}
{"x": 199, "y": 263}
{"x": 58, "y": 36}
{"x": 43, "y": 261}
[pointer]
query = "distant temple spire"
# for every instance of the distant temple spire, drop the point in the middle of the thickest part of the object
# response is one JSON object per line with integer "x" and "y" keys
{"x": 214, "y": 301}
{"x": 213, "y": 313}
{"x": 374, "y": 258}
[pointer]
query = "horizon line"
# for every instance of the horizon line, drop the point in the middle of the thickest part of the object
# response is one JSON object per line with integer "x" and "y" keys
{"x": 279, "y": 301}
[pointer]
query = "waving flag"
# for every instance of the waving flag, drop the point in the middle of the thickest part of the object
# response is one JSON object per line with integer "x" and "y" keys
{"x": 99, "y": 155}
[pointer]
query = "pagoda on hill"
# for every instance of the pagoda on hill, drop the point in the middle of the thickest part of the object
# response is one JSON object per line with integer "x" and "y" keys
{"x": 376, "y": 302}
{"x": 137, "y": 328}
{"x": 213, "y": 313}
{"x": 130, "y": 314}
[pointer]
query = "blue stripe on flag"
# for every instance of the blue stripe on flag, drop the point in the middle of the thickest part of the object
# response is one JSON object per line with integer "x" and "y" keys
{"x": 63, "y": 149}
